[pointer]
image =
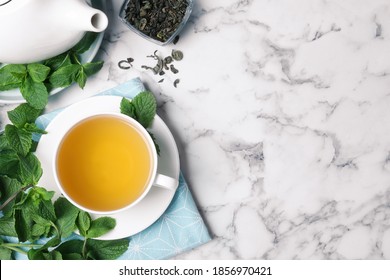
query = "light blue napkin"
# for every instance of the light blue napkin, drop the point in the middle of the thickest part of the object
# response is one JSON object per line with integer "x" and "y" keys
{"x": 180, "y": 228}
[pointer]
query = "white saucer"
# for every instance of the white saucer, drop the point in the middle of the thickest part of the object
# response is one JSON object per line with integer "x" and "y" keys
{"x": 14, "y": 96}
{"x": 157, "y": 200}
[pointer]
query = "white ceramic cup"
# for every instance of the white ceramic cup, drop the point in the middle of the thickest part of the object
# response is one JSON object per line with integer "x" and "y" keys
{"x": 156, "y": 179}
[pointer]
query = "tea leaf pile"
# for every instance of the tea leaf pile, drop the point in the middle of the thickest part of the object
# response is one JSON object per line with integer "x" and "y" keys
{"x": 156, "y": 19}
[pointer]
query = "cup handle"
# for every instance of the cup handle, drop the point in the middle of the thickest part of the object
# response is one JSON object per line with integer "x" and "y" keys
{"x": 165, "y": 182}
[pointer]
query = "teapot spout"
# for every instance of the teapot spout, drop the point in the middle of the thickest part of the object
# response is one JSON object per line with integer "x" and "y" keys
{"x": 86, "y": 18}
{"x": 98, "y": 22}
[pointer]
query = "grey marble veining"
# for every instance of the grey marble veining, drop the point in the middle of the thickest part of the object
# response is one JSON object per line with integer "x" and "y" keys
{"x": 282, "y": 121}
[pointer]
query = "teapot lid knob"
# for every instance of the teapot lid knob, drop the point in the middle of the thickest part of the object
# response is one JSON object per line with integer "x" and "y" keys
{"x": 3, "y": 2}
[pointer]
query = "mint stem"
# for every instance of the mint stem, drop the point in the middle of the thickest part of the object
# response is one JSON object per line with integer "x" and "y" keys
{"x": 13, "y": 245}
{"x": 84, "y": 251}
{"x": 13, "y": 196}
{"x": 13, "y": 248}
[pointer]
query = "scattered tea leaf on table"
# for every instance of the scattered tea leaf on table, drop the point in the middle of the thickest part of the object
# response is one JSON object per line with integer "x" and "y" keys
{"x": 177, "y": 55}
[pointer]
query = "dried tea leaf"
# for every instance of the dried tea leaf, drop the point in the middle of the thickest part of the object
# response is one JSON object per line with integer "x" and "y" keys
{"x": 176, "y": 40}
{"x": 126, "y": 63}
{"x": 173, "y": 69}
{"x": 168, "y": 60}
{"x": 177, "y": 55}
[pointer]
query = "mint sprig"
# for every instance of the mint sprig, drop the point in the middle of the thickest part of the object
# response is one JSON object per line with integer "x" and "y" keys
{"x": 142, "y": 108}
{"x": 29, "y": 212}
{"x": 36, "y": 80}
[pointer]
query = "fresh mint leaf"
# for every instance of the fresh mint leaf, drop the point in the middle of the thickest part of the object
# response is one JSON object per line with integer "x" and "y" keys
{"x": 41, "y": 227}
{"x": 30, "y": 171}
{"x": 9, "y": 77}
{"x": 7, "y": 226}
{"x": 5, "y": 253}
{"x": 100, "y": 226}
{"x": 83, "y": 222}
{"x": 145, "y": 108}
{"x": 155, "y": 142}
{"x": 23, "y": 224}
{"x": 38, "y": 72}
{"x": 35, "y": 254}
{"x": 81, "y": 78}
{"x": 56, "y": 256}
{"x": 58, "y": 61}
{"x": 127, "y": 108}
{"x": 9, "y": 188}
{"x": 23, "y": 114}
{"x": 66, "y": 214}
{"x": 4, "y": 145}
{"x": 87, "y": 70}
{"x": 71, "y": 249}
{"x": 40, "y": 254}
{"x": 35, "y": 93}
{"x": 64, "y": 76}
{"x": 85, "y": 43}
{"x": 9, "y": 163}
{"x": 46, "y": 210}
{"x": 72, "y": 256}
{"x": 53, "y": 242}
{"x": 38, "y": 194}
{"x": 39, "y": 230}
{"x": 18, "y": 139}
{"x": 92, "y": 68}
{"x": 33, "y": 128}
{"x": 34, "y": 146}
{"x": 41, "y": 221}
{"x": 34, "y": 203}
{"x": 107, "y": 249}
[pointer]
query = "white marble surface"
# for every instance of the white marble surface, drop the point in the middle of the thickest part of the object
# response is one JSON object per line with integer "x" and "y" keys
{"x": 282, "y": 120}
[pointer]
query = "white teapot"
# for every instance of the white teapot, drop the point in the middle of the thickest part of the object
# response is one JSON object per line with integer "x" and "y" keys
{"x": 34, "y": 30}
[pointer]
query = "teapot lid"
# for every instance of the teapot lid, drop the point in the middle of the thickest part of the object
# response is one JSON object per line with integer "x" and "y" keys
{"x": 3, "y": 2}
